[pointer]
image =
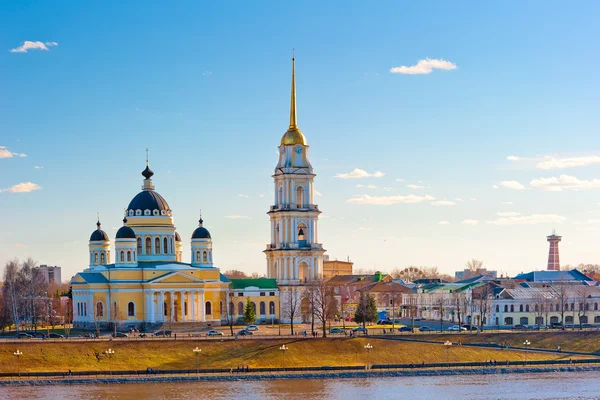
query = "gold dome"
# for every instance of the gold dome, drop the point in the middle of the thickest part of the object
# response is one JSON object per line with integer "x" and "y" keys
{"x": 293, "y": 136}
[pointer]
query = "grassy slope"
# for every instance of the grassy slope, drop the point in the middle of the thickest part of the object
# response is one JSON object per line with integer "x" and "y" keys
{"x": 584, "y": 341}
{"x": 229, "y": 354}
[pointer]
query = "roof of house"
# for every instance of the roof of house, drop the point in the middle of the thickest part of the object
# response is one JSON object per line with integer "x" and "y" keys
{"x": 385, "y": 287}
{"x": 261, "y": 283}
{"x": 93, "y": 277}
{"x": 358, "y": 280}
{"x": 553, "y": 276}
{"x": 478, "y": 278}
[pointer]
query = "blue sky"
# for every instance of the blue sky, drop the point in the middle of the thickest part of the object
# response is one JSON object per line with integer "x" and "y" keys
{"x": 206, "y": 87}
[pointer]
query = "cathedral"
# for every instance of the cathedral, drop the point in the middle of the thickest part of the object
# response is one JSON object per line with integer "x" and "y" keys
{"x": 148, "y": 284}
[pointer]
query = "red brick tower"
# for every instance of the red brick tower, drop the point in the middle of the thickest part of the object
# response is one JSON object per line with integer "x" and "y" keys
{"x": 553, "y": 256}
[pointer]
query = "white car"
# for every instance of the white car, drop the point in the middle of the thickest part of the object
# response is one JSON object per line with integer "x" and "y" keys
{"x": 214, "y": 333}
{"x": 456, "y": 328}
{"x": 252, "y": 328}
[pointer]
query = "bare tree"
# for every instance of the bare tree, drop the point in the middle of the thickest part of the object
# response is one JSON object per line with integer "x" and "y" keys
{"x": 235, "y": 274}
{"x": 364, "y": 271}
{"x": 230, "y": 300}
{"x": 483, "y": 296}
{"x": 583, "y": 293}
{"x": 324, "y": 304}
{"x": 458, "y": 301}
{"x": 441, "y": 305}
{"x": 562, "y": 294}
{"x": 291, "y": 308}
{"x": 474, "y": 265}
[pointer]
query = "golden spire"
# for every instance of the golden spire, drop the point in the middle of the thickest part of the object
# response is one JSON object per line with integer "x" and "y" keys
{"x": 293, "y": 134}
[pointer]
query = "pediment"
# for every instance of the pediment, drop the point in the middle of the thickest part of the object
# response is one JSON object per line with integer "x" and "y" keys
{"x": 176, "y": 277}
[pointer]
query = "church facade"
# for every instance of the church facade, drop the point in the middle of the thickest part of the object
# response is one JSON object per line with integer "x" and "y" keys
{"x": 148, "y": 285}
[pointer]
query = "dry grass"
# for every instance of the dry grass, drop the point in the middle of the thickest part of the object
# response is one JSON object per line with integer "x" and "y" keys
{"x": 132, "y": 355}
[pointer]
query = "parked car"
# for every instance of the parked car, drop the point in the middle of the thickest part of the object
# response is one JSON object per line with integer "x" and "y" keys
{"x": 520, "y": 327}
{"x": 337, "y": 330}
{"x": 23, "y": 335}
{"x": 120, "y": 335}
{"x": 359, "y": 329}
{"x": 56, "y": 336}
{"x": 538, "y": 327}
{"x": 426, "y": 329}
{"x": 162, "y": 333}
{"x": 586, "y": 326}
{"x": 456, "y": 328}
{"x": 251, "y": 328}
{"x": 405, "y": 329}
{"x": 384, "y": 322}
{"x": 556, "y": 325}
{"x": 214, "y": 333}
{"x": 470, "y": 327}
{"x": 244, "y": 332}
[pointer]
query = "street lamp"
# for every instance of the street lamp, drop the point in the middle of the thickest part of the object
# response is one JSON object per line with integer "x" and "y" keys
{"x": 283, "y": 349}
{"x": 448, "y": 344}
{"x": 18, "y": 354}
{"x": 197, "y": 353}
{"x": 368, "y": 347}
{"x": 109, "y": 353}
{"x": 526, "y": 343}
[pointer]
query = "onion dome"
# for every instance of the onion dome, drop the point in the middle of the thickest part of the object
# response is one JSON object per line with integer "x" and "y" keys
{"x": 98, "y": 234}
{"x": 177, "y": 237}
{"x": 201, "y": 232}
{"x": 148, "y": 200}
{"x": 125, "y": 232}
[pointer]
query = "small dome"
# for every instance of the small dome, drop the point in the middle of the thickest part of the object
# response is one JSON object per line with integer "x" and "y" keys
{"x": 147, "y": 173}
{"x": 148, "y": 200}
{"x": 201, "y": 233}
{"x": 125, "y": 232}
{"x": 98, "y": 234}
{"x": 293, "y": 136}
{"x": 177, "y": 237}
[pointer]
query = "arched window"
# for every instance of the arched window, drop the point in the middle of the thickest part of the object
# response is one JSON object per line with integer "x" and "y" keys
{"x": 240, "y": 308}
{"x": 165, "y": 308}
{"x": 139, "y": 245}
{"x": 508, "y": 321}
{"x": 280, "y": 195}
{"x": 128, "y": 255}
{"x": 595, "y": 306}
{"x": 165, "y": 247}
{"x": 172, "y": 247}
{"x": 272, "y": 308}
{"x": 85, "y": 309}
{"x": 521, "y": 308}
{"x": 552, "y": 307}
{"x": 204, "y": 257}
{"x": 506, "y": 308}
{"x": 102, "y": 258}
{"x": 131, "y": 309}
{"x": 300, "y": 196}
{"x": 572, "y": 306}
{"x": 95, "y": 258}
{"x": 536, "y": 308}
{"x": 198, "y": 256}
{"x": 156, "y": 245}
{"x": 221, "y": 307}
{"x": 254, "y": 307}
{"x": 148, "y": 245}
{"x": 78, "y": 308}
{"x": 208, "y": 308}
{"x": 99, "y": 309}
{"x": 263, "y": 308}
{"x": 122, "y": 256}
{"x": 133, "y": 257}
{"x": 527, "y": 308}
{"x": 231, "y": 309}
{"x": 512, "y": 308}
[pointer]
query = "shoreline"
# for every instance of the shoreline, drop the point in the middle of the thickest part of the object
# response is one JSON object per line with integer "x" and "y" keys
{"x": 312, "y": 375}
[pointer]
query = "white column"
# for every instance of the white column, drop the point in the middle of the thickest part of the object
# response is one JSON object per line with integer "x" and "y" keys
{"x": 202, "y": 306}
{"x": 172, "y": 295}
{"x": 152, "y": 316}
{"x": 193, "y": 301}
{"x": 161, "y": 306}
{"x": 182, "y": 296}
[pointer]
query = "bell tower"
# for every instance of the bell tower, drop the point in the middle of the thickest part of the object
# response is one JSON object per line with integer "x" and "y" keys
{"x": 294, "y": 255}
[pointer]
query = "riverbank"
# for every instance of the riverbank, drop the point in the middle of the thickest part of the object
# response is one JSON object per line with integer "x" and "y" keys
{"x": 178, "y": 355}
{"x": 311, "y": 375}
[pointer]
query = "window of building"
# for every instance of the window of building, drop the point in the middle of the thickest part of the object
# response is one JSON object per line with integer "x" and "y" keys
{"x": 148, "y": 245}
{"x": 165, "y": 308}
{"x": 583, "y": 319}
{"x": 497, "y": 308}
{"x": 185, "y": 308}
{"x": 122, "y": 256}
{"x": 231, "y": 309}
{"x": 85, "y": 309}
{"x": 172, "y": 247}
{"x": 300, "y": 196}
{"x": 271, "y": 293}
{"x": 580, "y": 306}
{"x": 208, "y": 308}
{"x": 95, "y": 258}
{"x": 130, "y": 309}
{"x": 527, "y": 308}
{"x": 262, "y": 293}
{"x": 551, "y": 307}
{"x": 240, "y": 308}
{"x": 139, "y": 244}
{"x": 572, "y": 306}
{"x": 78, "y": 308}
{"x": 521, "y": 308}
{"x": 536, "y": 308}
{"x": 524, "y": 321}
{"x": 512, "y": 308}
{"x": 569, "y": 319}
{"x": 506, "y": 308}
{"x": 204, "y": 257}
{"x": 99, "y": 309}
{"x": 128, "y": 255}
{"x": 272, "y": 308}
{"x": 156, "y": 245}
{"x": 241, "y": 294}
{"x": 254, "y": 307}
{"x": 595, "y": 306}
{"x": 508, "y": 321}
{"x": 597, "y": 319}
{"x": 263, "y": 308}
{"x": 198, "y": 256}
{"x": 165, "y": 246}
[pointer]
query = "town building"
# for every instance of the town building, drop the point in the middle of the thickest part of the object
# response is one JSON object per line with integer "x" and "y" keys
{"x": 553, "y": 253}
{"x": 467, "y": 274}
{"x": 263, "y": 295}
{"x": 332, "y": 268}
{"x": 148, "y": 285}
{"x": 51, "y": 274}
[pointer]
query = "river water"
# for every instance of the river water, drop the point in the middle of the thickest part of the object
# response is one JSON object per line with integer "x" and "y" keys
{"x": 555, "y": 386}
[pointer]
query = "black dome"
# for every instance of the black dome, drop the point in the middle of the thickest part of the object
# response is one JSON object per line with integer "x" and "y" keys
{"x": 148, "y": 200}
{"x": 177, "y": 237}
{"x": 125, "y": 232}
{"x": 99, "y": 234}
{"x": 201, "y": 233}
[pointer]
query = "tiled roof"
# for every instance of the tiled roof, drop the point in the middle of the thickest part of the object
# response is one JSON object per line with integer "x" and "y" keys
{"x": 553, "y": 276}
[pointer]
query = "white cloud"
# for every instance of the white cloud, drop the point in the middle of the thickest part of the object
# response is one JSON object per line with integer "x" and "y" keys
{"x": 528, "y": 219}
{"x": 400, "y": 180}
{"x": 22, "y": 187}
{"x": 508, "y": 203}
{"x": 443, "y": 203}
{"x": 560, "y": 163}
{"x": 371, "y": 187}
{"x": 443, "y": 223}
{"x": 360, "y": 185}
{"x": 245, "y": 196}
{"x": 28, "y": 45}
{"x": 496, "y": 186}
{"x": 470, "y": 222}
{"x": 508, "y": 214}
{"x": 207, "y": 73}
{"x": 261, "y": 195}
{"x": 514, "y": 185}
{"x": 458, "y": 199}
{"x": 38, "y": 167}
{"x": 473, "y": 199}
{"x": 415, "y": 187}
{"x": 388, "y": 200}
{"x": 388, "y": 189}
{"x": 358, "y": 173}
{"x": 4, "y": 153}
{"x": 513, "y": 158}
{"x": 236, "y": 217}
{"x": 558, "y": 184}
{"x": 424, "y": 67}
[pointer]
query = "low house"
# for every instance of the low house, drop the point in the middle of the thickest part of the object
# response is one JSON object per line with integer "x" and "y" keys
{"x": 263, "y": 295}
